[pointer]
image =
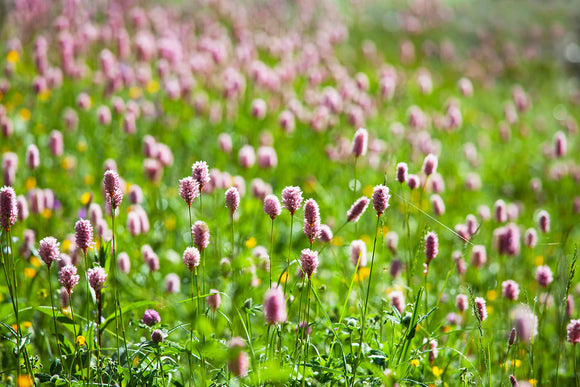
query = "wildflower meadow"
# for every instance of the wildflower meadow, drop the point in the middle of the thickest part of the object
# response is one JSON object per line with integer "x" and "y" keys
{"x": 289, "y": 193}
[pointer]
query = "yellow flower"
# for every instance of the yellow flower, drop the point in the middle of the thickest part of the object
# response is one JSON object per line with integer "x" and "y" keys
{"x": 518, "y": 363}
{"x": 46, "y": 213}
{"x": 362, "y": 274}
{"x": 489, "y": 309}
{"x": 491, "y": 295}
{"x": 27, "y": 324}
{"x": 66, "y": 245}
{"x": 82, "y": 146}
{"x": 135, "y": 92}
{"x": 539, "y": 260}
{"x": 25, "y": 114}
{"x": 136, "y": 361}
{"x": 284, "y": 277}
{"x": 88, "y": 179}
{"x": 12, "y": 56}
{"x": 366, "y": 238}
{"x": 152, "y": 86}
{"x": 251, "y": 243}
{"x": 29, "y": 272}
{"x": 437, "y": 371}
{"x": 86, "y": 198}
{"x": 30, "y": 183}
{"x": 81, "y": 342}
{"x": 415, "y": 362}
{"x": 24, "y": 380}
{"x": 68, "y": 163}
{"x": 44, "y": 95}
{"x": 533, "y": 382}
{"x": 170, "y": 223}
{"x": 337, "y": 241}
{"x": 368, "y": 190}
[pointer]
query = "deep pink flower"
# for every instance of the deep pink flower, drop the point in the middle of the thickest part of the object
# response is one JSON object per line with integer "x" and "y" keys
{"x": 232, "y": 199}
{"x": 525, "y": 322}
{"x": 325, "y": 233}
{"x": 56, "y": 143}
{"x": 573, "y": 332}
{"x": 438, "y": 204}
{"x": 8, "y": 208}
{"x": 200, "y": 173}
{"x": 544, "y": 221}
{"x": 191, "y": 258}
{"x": 500, "y": 211}
{"x": 200, "y": 232}
{"x": 397, "y": 300}
{"x": 309, "y": 262}
{"x": 112, "y": 185}
{"x": 97, "y": 278}
{"x": 157, "y": 336}
{"x": 49, "y": 250}
{"x": 560, "y": 144}
{"x": 478, "y": 256}
{"x": 275, "y": 306}
{"x": 84, "y": 235}
{"x": 151, "y": 317}
{"x": 214, "y": 299}
{"x": 462, "y": 302}
{"x": 68, "y": 278}
{"x": 510, "y": 289}
{"x": 531, "y": 238}
{"x": 358, "y": 253}
{"x": 544, "y": 275}
{"x": 32, "y": 157}
{"x": 431, "y": 246}
{"x": 292, "y": 199}
{"x": 381, "y": 199}
{"x": 311, "y": 220}
{"x": 357, "y": 209}
{"x": 172, "y": 283}
{"x": 480, "y": 308}
{"x": 360, "y": 142}
{"x": 430, "y": 164}
{"x": 239, "y": 362}
{"x": 402, "y": 171}
{"x": 413, "y": 181}
{"x": 272, "y": 206}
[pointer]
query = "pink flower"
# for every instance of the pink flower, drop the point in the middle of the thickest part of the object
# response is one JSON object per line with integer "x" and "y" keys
{"x": 188, "y": 190}
{"x": 259, "y": 108}
{"x": 8, "y": 208}
{"x": 309, "y": 262}
{"x": 358, "y": 253}
{"x": 232, "y": 200}
{"x": 123, "y": 262}
{"x": 68, "y": 278}
{"x": 531, "y": 238}
{"x": 325, "y": 233}
{"x": 461, "y": 302}
{"x": 56, "y": 143}
{"x": 525, "y": 322}
{"x": 573, "y": 332}
{"x": 200, "y": 232}
{"x": 214, "y": 299}
{"x": 398, "y": 300}
{"x": 225, "y": 142}
{"x": 32, "y": 157}
{"x": 430, "y": 164}
{"x": 560, "y": 144}
{"x": 172, "y": 283}
{"x": 272, "y": 206}
{"x": 360, "y": 143}
{"x": 480, "y": 308}
{"x": 438, "y": 205}
{"x": 357, "y": 209}
{"x": 544, "y": 275}
{"x": 97, "y": 278}
{"x": 157, "y": 336}
{"x": 381, "y": 199}
{"x": 112, "y": 185}
{"x": 500, "y": 211}
{"x": 239, "y": 360}
{"x": 402, "y": 171}
{"x": 413, "y": 181}
{"x": 151, "y": 317}
{"x": 311, "y": 220}
{"x": 431, "y": 246}
{"x": 544, "y": 221}
{"x": 275, "y": 306}
{"x": 267, "y": 157}
{"x": 478, "y": 256}
{"x": 84, "y": 235}
{"x": 200, "y": 173}
{"x": 49, "y": 250}
{"x": 292, "y": 199}
{"x": 510, "y": 289}
{"x": 247, "y": 156}
{"x": 191, "y": 258}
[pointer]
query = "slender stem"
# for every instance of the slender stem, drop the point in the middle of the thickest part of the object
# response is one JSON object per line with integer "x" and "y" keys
{"x": 190, "y": 224}
{"x": 53, "y": 315}
{"x": 575, "y": 366}
{"x": 158, "y": 353}
{"x": 271, "y": 251}
{"x": 87, "y": 312}
{"x": 364, "y": 315}
{"x": 233, "y": 239}
{"x": 289, "y": 253}
{"x": 305, "y": 328}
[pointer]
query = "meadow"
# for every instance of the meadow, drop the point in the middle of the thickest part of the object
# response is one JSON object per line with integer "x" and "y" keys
{"x": 285, "y": 193}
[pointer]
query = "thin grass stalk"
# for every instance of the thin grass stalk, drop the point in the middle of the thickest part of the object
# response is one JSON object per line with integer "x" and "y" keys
{"x": 305, "y": 328}
{"x": 288, "y": 257}
{"x": 53, "y": 316}
{"x": 87, "y": 312}
{"x": 364, "y": 315}
{"x": 271, "y": 252}
{"x": 576, "y": 366}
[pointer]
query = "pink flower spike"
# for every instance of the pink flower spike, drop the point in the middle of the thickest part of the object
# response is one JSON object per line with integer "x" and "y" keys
{"x": 200, "y": 173}
{"x": 84, "y": 235}
{"x": 200, "y": 232}
{"x": 431, "y": 246}
{"x": 232, "y": 200}
{"x": 68, "y": 278}
{"x": 544, "y": 276}
{"x": 275, "y": 306}
{"x": 381, "y": 199}
{"x": 272, "y": 206}
{"x": 573, "y": 332}
{"x": 402, "y": 171}
{"x": 430, "y": 164}
{"x": 360, "y": 143}
{"x": 357, "y": 209}
{"x": 191, "y": 258}
{"x": 311, "y": 220}
{"x": 97, "y": 278}
{"x": 292, "y": 199}
{"x": 309, "y": 262}
{"x": 480, "y": 308}
{"x": 358, "y": 253}
{"x": 214, "y": 299}
{"x": 510, "y": 289}
{"x": 112, "y": 185}
{"x": 188, "y": 190}
{"x": 49, "y": 250}
{"x": 8, "y": 207}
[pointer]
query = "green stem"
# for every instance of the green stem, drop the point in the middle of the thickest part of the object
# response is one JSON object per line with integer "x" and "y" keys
{"x": 53, "y": 315}
{"x": 305, "y": 328}
{"x": 271, "y": 251}
{"x": 288, "y": 257}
